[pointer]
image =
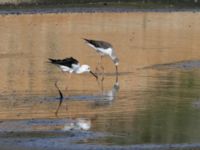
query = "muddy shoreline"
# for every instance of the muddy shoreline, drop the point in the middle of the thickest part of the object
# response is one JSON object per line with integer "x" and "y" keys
{"x": 18, "y": 11}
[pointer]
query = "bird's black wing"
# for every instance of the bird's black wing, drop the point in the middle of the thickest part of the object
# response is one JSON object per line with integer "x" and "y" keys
{"x": 99, "y": 44}
{"x": 65, "y": 62}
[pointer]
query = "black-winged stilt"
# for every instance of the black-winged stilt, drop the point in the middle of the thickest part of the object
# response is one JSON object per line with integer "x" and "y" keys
{"x": 71, "y": 65}
{"x": 104, "y": 48}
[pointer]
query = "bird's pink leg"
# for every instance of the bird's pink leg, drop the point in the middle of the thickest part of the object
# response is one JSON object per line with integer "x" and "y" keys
{"x": 69, "y": 78}
{"x": 102, "y": 68}
{"x": 97, "y": 66}
{"x": 102, "y": 85}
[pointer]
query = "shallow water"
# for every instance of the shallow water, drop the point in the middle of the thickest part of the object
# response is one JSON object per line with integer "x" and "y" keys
{"x": 155, "y": 101}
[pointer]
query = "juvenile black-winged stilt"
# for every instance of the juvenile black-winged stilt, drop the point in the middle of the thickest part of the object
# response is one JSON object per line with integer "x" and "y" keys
{"x": 104, "y": 48}
{"x": 71, "y": 65}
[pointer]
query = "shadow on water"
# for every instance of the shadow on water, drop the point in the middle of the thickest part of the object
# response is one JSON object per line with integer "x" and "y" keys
{"x": 184, "y": 65}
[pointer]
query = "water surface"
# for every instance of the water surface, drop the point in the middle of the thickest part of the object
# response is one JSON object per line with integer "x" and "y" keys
{"x": 156, "y": 100}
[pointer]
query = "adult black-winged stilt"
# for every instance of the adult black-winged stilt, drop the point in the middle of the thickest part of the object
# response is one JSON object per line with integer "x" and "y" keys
{"x": 104, "y": 48}
{"x": 71, "y": 65}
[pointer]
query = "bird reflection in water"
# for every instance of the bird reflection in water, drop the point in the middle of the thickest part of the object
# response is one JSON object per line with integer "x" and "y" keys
{"x": 108, "y": 96}
{"x": 78, "y": 124}
{"x": 104, "y": 98}
{"x": 60, "y": 98}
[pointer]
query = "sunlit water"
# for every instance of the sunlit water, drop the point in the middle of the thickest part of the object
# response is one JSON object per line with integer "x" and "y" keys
{"x": 147, "y": 105}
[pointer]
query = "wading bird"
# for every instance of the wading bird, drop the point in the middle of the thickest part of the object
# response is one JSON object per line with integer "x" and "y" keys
{"x": 104, "y": 49}
{"x": 71, "y": 65}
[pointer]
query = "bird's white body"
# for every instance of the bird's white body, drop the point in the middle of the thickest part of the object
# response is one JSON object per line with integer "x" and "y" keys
{"x": 68, "y": 69}
{"x": 102, "y": 51}
{"x": 107, "y": 51}
{"x": 76, "y": 68}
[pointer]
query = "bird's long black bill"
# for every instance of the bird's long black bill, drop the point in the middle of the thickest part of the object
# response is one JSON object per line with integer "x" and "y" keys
{"x": 94, "y": 75}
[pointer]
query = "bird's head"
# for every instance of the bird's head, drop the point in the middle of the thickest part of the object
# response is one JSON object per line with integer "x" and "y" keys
{"x": 86, "y": 68}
